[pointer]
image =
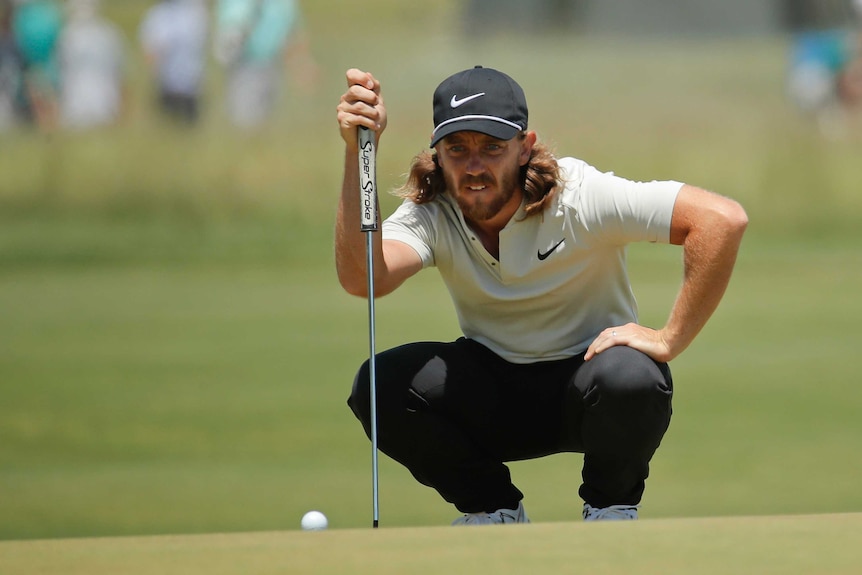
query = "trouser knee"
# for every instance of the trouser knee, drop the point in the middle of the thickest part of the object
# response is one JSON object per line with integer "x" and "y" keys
{"x": 624, "y": 376}
{"x": 407, "y": 380}
{"x": 625, "y": 398}
{"x": 360, "y": 396}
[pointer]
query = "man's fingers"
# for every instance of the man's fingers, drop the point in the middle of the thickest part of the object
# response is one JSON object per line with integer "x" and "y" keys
{"x": 643, "y": 339}
{"x": 610, "y": 337}
{"x": 361, "y": 105}
{"x": 357, "y": 77}
{"x": 352, "y": 115}
{"x": 360, "y": 101}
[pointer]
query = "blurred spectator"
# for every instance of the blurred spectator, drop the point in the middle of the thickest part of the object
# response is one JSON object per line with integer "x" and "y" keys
{"x": 817, "y": 57}
{"x": 11, "y": 70}
{"x": 825, "y": 75}
{"x": 254, "y": 40}
{"x": 173, "y": 35}
{"x": 850, "y": 80}
{"x": 36, "y": 25}
{"x": 91, "y": 68}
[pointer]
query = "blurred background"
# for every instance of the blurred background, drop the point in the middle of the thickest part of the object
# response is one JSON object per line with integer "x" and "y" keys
{"x": 175, "y": 351}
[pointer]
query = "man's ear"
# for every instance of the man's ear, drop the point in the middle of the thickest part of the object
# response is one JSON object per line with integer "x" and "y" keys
{"x": 527, "y": 147}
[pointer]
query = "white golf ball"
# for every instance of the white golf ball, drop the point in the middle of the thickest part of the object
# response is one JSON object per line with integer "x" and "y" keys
{"x": 314, "y": 521}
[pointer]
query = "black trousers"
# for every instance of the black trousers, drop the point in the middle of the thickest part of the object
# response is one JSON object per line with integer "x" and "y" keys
{"x": 454, "y": 413}
{"x": 181, "y": 107}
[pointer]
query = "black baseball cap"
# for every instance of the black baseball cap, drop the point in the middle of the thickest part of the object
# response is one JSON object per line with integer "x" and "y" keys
{"x": 479, "y": 100}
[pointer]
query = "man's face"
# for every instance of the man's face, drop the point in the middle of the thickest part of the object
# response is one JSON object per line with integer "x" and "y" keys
{"x": 481, "y": 172}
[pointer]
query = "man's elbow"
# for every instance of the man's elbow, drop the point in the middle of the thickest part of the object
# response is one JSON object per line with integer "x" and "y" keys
{"x": 353, "y": 285}
{"x": 358, "y": 286}
{"x": 735, "y": 218}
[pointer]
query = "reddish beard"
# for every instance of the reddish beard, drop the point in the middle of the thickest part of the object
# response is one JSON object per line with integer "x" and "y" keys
{"x": 472, "y": 204}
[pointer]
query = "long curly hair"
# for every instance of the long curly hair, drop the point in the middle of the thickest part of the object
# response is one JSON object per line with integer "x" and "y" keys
{"x": 539, "y": 178}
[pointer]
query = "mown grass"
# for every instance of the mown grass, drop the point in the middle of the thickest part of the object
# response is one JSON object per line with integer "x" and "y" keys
{"x": 819, "y": 544}
{"x": 164, "y": 399}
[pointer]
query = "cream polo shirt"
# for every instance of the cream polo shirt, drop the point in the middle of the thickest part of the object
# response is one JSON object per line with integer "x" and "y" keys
{"x": 561, "y": 277}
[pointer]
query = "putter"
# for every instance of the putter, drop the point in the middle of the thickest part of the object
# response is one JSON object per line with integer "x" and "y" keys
{"x": 369, "y": 222}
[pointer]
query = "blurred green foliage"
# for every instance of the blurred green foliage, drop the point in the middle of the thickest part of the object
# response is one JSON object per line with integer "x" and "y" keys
{"x": 711, "y": 112}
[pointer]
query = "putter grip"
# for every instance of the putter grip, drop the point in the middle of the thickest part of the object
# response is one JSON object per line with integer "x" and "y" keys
{"x": 368, "y": 181}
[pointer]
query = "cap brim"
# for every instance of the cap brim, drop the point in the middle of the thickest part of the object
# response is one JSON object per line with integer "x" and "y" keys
{"x": 492, "y": 128}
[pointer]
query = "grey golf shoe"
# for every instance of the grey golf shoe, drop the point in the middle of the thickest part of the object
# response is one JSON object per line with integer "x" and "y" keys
{"x": 498, "y": 517}
{"x": 610, "y": 513}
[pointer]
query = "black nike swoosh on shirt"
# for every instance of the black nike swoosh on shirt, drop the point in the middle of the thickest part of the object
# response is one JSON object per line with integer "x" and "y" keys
{"x": 543, "y": 256}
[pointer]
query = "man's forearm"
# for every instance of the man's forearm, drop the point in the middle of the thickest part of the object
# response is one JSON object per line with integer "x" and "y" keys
{"x": 349, "y": 244}
{"x": 709, "y": 259}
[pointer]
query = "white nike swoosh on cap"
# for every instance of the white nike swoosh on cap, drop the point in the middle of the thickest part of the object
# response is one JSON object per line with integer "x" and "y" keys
{"x": 456, "y": 102}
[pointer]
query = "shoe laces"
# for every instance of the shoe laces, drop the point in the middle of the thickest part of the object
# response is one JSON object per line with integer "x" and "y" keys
{"x": 481, "y": 518}
{"x": 610, "y": 513}
{"x": 499, "y": 517}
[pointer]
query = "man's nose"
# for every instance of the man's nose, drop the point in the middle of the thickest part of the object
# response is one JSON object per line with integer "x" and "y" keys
{"x": 475, "y": 165}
